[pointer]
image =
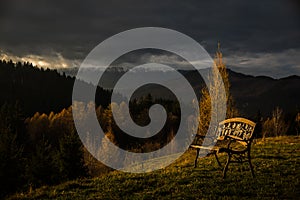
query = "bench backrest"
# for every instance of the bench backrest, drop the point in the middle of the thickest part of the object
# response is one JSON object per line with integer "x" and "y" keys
{"x": 240, "y": 129}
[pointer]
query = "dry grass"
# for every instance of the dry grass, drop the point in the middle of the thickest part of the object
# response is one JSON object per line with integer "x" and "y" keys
{"x": 276, "y": 163}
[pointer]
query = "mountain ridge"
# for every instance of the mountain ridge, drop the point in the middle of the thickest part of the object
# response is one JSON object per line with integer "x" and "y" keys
{"x": 44, "y": 90}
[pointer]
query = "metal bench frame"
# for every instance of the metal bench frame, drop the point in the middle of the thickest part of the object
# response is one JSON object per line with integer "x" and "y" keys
{"x": 232, "y": 131}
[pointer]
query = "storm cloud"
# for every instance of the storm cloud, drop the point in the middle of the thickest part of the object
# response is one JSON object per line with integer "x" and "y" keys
{"x": 65, "y": 31}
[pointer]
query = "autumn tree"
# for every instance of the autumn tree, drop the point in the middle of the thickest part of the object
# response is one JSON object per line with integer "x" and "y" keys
{"x": 217, "y": 77}
{"x": 110, "y": 137}
{"x": 280, "y": 126}
{"x": 276, "y": 125}
{"x": 56, "y": 150}
{"x": 37, "y": 126}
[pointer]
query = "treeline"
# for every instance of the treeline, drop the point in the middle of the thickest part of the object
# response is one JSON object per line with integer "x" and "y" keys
{"x": 45, "y": 148}
{"x": 37, "y": 151}
{"x": 278, "y": 124}
{"x": 39, "y": 89}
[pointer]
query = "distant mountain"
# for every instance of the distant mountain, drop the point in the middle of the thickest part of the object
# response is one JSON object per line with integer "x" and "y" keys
{"x": 261, "y": 93}
{"x": 42, "y": 90}
{"x": 252, "y": 94}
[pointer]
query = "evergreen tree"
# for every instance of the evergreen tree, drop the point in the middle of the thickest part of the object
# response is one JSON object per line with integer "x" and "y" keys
{"x": 70, "y": 157}
{"x": 11, "y": 148}
{"x": 259, "y": 123}
{"x": 297, "y": 123}
{"x": 11, "y": 163}
{"x": 41, "y": 168}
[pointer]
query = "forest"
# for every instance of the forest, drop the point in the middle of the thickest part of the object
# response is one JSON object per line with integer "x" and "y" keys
{"x": 39, "y": 144}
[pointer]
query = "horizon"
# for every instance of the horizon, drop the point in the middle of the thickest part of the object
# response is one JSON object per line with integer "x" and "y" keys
{"x": 72, "y": 71}
{"x": 43, "y": 62}
{"x": 263, "y": 40}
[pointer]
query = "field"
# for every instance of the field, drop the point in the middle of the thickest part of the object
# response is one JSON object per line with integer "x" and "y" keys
{"x": 276, "y": 163}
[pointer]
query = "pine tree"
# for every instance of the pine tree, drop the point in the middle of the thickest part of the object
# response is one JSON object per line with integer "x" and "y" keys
{"x": 12, "y": 140}
{"x": 11, "y": 162}
{"x": 41, "y": 168}
{"x": 70, "y": 157}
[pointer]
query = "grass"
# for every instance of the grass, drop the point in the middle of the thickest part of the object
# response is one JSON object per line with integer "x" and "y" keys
{"x": 276, "y": 164}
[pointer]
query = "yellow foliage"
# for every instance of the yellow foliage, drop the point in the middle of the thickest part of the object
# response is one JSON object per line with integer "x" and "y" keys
{"x": 205, "y": 116}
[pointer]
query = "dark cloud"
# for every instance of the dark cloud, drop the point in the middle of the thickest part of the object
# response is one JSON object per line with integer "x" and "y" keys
{"x": 73, "y": 28}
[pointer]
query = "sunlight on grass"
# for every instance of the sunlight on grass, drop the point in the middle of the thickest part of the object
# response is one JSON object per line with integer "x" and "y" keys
{"x": 276, "y": 164}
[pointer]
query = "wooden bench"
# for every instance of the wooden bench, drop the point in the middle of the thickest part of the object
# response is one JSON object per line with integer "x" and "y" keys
{"x": 232, "y": 136}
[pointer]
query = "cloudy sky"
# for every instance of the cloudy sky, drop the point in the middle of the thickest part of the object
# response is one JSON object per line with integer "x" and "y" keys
{"x": 258, "y": 37}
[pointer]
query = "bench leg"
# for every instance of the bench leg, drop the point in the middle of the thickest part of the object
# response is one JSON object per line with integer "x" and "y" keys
{"x": 217, "y": 159}
{"x": 226, "y": 166}
{"x": 250, "y": 164}
{"x": 197, "y": 155}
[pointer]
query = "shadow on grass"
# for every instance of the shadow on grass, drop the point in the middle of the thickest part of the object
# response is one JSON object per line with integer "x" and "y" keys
{"x": 272, "y": 157}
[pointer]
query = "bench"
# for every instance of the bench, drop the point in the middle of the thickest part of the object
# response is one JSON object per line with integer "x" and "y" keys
{"x": 232, "y": 136}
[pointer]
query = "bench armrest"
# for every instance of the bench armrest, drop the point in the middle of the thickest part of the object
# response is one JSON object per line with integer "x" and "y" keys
{"x": 236, "y": 138}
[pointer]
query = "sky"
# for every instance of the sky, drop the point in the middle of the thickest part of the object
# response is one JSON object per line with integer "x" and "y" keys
{"x": 258, "y": 37}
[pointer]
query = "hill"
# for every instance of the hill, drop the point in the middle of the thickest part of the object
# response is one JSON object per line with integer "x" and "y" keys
{"x": 252, "y": 94}
{"x": 40, "y": 90}
{"x": 261, "y": 93}
{"x": 276, "y": 164}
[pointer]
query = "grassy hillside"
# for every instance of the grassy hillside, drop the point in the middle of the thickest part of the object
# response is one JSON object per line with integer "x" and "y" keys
{"x": 276, "y": 162}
